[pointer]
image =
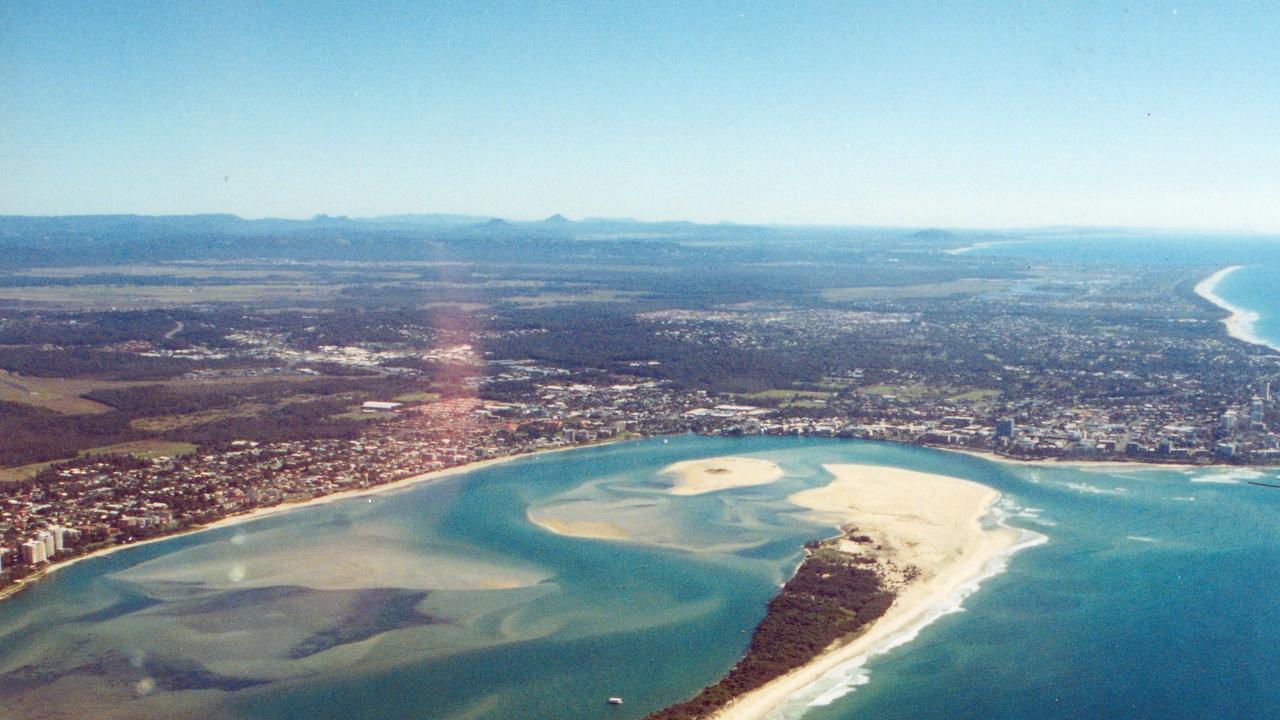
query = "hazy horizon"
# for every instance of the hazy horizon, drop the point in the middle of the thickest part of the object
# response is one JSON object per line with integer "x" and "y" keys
{"x": 972, "y": 116}
{"x": 481, "y": 217}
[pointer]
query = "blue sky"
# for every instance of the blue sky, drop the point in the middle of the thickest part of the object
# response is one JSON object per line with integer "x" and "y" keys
{"x": 876, "y": 113}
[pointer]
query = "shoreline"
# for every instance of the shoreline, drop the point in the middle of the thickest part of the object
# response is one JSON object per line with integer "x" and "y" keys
{"x": 1085, "y": 464}
{"x": 1240, "y": 323}
{"x": 947, "y": 526}
{"x": 982, "y": 245}
{"x": 286, "y": 507}
{"x": 985, "y": 554}
{"x": 841, "y": 670}
{"x": 433, "y": 475}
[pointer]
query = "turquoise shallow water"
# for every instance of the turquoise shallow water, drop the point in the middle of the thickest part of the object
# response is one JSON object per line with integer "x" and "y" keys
{"x": 1155, "y": 596}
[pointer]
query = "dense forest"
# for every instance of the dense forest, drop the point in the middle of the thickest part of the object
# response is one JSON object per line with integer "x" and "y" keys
{"x": 78, "y": 362}
{"x": 264, "y": 411}
{"x": 599, "y": 337}
{"x": 29, "y": 434}
{"x": 830, "y": 597}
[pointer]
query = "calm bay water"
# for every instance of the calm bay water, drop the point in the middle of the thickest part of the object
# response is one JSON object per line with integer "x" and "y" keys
{"x": 1155, "y": 596}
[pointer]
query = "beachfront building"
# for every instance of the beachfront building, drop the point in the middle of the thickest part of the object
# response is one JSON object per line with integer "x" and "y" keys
{"x": 33, "y": 552}
{"x": 50, "y": 547}
{"x": 1005, "y": 427}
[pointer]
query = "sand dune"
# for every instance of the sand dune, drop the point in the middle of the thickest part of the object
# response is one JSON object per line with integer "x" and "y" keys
{"x": 695, "y": 477}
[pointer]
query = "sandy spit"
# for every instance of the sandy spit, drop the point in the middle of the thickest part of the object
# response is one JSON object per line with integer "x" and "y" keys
{"x": 932, "y": 522}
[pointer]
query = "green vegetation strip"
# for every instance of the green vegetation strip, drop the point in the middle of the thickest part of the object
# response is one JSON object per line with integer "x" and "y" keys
{"x": 831, "y": 597}
{"x": 975, "y": 396}
{"x": 963, "y": 286}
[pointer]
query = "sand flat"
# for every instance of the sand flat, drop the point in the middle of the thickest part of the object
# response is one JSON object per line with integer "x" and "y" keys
{"x": 348, "y": 560}
{"x": 290, "y": 506}
{"x": 932, "y": 522}
{"x": 695, "y": 477}
{"x": 594, "y": 529}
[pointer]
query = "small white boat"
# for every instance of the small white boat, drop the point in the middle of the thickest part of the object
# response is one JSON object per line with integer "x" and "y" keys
{"x": 615, "y": 701}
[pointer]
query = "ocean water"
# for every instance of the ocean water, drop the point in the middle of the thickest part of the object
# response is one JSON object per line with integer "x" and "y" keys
{"x": 1156, "y": 597}
{"x": 1154, "y": 594}
{"x": 1135, "y": 248}
{"x": 1255, "y": 287}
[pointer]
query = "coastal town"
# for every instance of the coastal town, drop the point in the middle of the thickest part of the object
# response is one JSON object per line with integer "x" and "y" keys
{"x": 161, "y": 415}
{"x": 639, "y": 361}
{"x": 93, "y": 503}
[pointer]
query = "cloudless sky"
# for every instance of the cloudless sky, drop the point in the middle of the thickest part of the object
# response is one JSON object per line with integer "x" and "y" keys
{"x": 875, "y": 113}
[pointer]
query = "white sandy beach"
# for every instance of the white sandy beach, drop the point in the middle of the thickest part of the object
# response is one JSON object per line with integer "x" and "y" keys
{"x": 1240, "y": 323}
{"x": 931, "y": 522}
{"x": 695, "y": 477}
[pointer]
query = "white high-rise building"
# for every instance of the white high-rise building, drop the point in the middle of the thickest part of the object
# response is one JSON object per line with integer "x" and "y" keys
{"x": 33, "y": 552}
{"x": 59, "y": 537}
{"x": 46, "y": 537}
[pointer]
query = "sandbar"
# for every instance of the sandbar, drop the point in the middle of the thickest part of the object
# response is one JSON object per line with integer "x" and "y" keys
{"x": 594, "y": 529}
{"x": 931, "y": 522}
{"x": 695, "y": 477}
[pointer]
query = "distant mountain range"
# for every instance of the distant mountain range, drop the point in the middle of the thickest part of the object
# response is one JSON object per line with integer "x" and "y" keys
{"x": 34, "y": 240}
{"x": 27, "y": 241}
{"x": 11, "y": 225}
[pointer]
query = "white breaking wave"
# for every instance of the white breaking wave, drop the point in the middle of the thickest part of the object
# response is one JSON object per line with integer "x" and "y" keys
{"x": 1030, "y": 514}
{"x": 1230, "y": 477}
{"x": 1141, "y": 538}
{"x": 1094, "y": 489}
{"x": 982, "y": 245}
{"x": 1242, "y": 324}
